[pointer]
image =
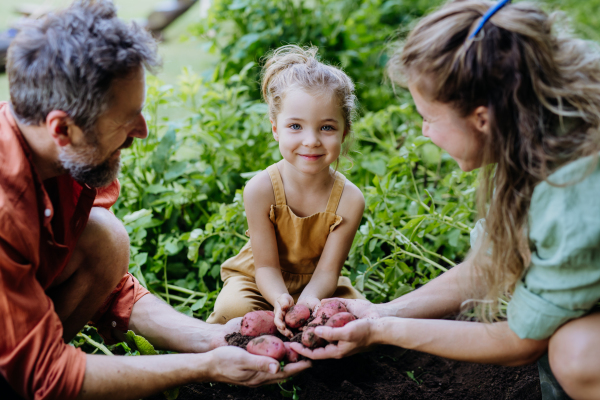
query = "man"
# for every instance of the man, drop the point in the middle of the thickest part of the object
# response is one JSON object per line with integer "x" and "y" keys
{"x": 77, "y": 91}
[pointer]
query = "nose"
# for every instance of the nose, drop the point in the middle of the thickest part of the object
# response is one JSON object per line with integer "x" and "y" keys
{"x": 311, "y": 138}
{"x": 140, "y": 128}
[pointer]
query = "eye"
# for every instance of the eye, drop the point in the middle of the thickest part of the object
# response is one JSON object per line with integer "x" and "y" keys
{"x": 295, "y": 127}
{"x": 327, "y": 128}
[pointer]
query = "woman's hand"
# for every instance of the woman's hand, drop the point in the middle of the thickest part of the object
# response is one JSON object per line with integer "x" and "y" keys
{"x": 360, "y": 308}
{"x": 355, "y": 337}
{"x": 283, "y": 303}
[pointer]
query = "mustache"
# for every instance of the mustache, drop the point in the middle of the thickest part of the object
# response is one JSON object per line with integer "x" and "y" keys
{"x": 127, "y": 143}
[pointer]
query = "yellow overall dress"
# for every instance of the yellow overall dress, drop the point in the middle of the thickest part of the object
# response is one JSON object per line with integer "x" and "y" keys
{"x": 300, "y": 242}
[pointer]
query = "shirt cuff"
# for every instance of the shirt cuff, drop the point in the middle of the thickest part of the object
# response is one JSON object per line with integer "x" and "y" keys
{"x": 532, "y": 317}
{"x": 116, "y": 310}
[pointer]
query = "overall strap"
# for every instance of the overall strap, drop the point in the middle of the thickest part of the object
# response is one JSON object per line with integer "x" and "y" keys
{"x": 336, "y": 193}
{"x": 277, "y": 185}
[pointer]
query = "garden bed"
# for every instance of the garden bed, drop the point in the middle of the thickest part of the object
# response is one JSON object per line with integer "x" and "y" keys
{"x": 385, "y": 373}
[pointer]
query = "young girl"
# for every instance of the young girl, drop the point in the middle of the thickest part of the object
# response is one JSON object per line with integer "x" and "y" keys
{"x": 302, "y": 214}
{"x": 510, "y": 95}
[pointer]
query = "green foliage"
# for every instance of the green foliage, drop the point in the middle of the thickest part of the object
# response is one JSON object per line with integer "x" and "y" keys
{"x": 181, "y": 198}
{"x": 349, "y": 33}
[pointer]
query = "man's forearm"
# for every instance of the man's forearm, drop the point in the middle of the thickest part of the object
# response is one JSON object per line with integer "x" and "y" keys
{"x": 123, "y": 378}
{"x": 460, "y": 340}
{"x": 168, "y": 329}
{"x": 438, "y": 298}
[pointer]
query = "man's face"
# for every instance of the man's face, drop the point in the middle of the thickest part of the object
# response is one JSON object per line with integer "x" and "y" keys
{"x": 95, "y": 158}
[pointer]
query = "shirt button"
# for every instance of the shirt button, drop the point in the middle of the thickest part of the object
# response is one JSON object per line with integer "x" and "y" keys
{"x": 47, "y": 212}
{"x": 114, "y": 324}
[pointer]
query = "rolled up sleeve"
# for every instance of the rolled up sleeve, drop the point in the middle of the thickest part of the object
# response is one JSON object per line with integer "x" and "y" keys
{"x": 116, "y": 310}
{"x": 563, "y": 280}
{"x": 34, "y": 359}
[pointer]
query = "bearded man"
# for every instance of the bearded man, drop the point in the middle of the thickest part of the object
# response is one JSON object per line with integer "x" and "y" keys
{"x": 77, "y": 90}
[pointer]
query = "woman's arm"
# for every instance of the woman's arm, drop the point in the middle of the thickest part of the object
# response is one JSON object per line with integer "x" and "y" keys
{"x": 325, "y": 278}
{"x": 458, "y": 340}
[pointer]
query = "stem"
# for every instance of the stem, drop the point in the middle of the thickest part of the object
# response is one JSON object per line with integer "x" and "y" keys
{"x": 165, "y": 277}
{"x": 97, "y": 345}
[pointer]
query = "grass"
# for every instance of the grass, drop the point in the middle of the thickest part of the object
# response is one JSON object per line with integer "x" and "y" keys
{"x": 175, "y": 53}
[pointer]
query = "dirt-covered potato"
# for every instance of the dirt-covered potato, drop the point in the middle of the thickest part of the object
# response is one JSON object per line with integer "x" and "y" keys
{"x": 290, "y": 355}
{"x": 267, "y": 345}
{"x": 258, "y": 323}
{"x": 297, "y": 316}
{"x": 310, "y": 338}
{"x": 336, "y": 305}
{"x": 340, "y": 319}
{"x": 323, "y": 315}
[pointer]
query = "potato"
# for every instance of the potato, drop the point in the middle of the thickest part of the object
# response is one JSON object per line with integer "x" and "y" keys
{"x": 323, "y": 314}
{"x": 310, "y": 338}
{"x": 258, "y": 323}
{"x": 334, "y": 305}
{"x": 290, "y": 355}
{"x": 297, "y": 316}
{"x": 267, "y": 345}
{"x": 340, "y": 319}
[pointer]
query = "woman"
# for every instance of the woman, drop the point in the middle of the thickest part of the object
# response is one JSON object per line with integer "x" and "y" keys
{"x": 498, "y": 89}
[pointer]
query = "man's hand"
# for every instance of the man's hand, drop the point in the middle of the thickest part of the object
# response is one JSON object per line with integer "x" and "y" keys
{"x": 355, "y": 337}
{"x": 281, "y": 306}
{"x": 238, "y": 367}
{"x": 220, "y": 331}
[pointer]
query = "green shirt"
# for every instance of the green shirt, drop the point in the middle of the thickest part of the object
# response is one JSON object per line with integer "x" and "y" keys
{"x": 563, "y": 279}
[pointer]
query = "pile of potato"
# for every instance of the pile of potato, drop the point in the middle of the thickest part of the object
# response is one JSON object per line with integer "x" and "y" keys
{"x": 261, "y": 326}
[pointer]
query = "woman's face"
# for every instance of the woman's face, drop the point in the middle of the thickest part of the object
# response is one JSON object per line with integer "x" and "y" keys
{"x": 463, "y": 138}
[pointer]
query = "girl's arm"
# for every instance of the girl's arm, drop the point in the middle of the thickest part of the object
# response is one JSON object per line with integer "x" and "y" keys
{"x": 258, "y": 198}
{"x": 325, "y": 278}
{"x": 458, "y": 340}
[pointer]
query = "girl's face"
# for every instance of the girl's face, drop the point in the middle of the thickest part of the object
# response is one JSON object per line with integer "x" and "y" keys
{"x": 463, "y": 138}
{"x": 310, "y": 130}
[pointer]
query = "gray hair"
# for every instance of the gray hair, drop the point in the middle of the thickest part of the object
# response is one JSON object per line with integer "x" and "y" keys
{"x": 68, "y": 60}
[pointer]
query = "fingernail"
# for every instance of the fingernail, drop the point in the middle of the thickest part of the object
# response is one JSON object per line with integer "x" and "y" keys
{"x": 273, "y": 368}
{"x": 319, "y": 330}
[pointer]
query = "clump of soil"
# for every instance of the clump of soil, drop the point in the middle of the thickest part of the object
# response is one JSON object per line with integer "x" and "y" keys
{"x": 237, "y": 339}
{"x": 385, "y": 373}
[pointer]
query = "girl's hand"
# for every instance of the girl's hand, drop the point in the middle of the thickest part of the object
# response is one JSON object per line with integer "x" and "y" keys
{"x": 310, "y": 302}
{"x": 283, "y": 303}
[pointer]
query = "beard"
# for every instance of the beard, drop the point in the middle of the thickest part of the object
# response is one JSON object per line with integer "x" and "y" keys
{"x": 85, "y": 165}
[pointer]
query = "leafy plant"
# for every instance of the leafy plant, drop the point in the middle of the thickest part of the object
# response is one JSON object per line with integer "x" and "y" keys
{"x": 352, "y": 34}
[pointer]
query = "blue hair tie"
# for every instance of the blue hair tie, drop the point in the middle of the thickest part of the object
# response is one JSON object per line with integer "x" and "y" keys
{"x": 487, "y": 17}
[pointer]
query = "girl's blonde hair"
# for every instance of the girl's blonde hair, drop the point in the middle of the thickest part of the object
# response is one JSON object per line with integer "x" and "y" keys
{"x": 542, "y": 91}
{"x": 293, "y": 67}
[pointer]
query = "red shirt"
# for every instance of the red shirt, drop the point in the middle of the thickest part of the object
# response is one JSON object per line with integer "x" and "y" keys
{"x": 40, "y": 223}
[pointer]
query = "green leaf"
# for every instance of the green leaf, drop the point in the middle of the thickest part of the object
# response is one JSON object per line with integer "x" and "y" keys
{"x": 184, "y": 310}
{"x": 163, "y": 151}
{"x": 413, "y": 222}
{"x": 171, "y": 394}
{"x": 198, "y": 305}
{"x": 143, "y": 345}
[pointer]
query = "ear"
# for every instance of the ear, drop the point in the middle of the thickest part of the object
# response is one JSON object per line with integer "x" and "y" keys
{"x": 481, "y": 119}
{"x": 274, "y": 130}
{"x": 59, "y": 125}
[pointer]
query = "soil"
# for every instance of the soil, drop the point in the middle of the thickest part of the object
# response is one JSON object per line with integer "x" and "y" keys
{"x": 384, "y": 373}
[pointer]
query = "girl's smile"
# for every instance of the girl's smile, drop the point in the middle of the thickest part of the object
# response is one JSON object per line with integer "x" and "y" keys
{"x": 310, "y": 130}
